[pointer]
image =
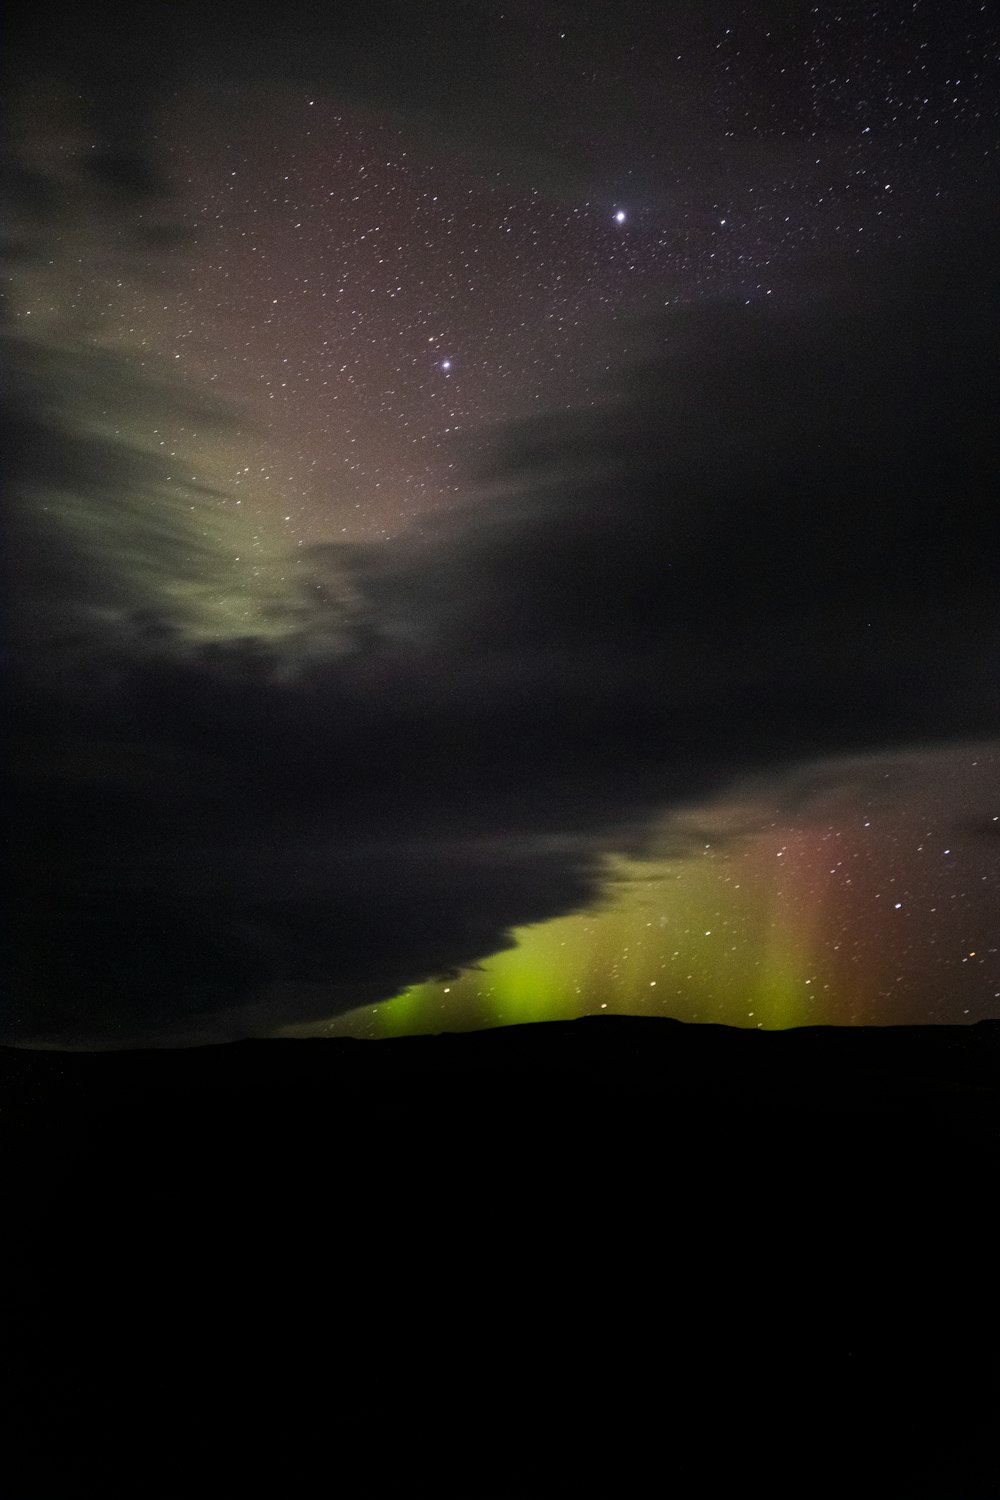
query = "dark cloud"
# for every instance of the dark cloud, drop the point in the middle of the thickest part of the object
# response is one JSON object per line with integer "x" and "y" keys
{"x": 122, "y": 67}
{"x": 789, "y": 528}
{"x": 512, "y": 85}
{"x": 778, "y": 545}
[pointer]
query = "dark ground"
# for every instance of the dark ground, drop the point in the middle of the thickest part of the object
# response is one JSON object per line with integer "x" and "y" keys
{"x": 614, "y": 1256}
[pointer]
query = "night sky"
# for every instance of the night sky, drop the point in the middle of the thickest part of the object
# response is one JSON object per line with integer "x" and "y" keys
{"x": 501, "y": 518}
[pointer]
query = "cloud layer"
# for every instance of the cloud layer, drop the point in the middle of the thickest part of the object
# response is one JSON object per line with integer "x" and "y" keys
{"x": 777, "y": 543}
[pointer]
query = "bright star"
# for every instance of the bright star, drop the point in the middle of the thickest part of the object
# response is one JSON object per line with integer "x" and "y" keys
{"x": 446, "y": 364}
{"x": 620, "y": 216}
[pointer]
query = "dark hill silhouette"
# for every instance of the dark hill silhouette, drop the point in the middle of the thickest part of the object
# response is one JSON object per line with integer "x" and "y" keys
{"x": 614, "y": 1254}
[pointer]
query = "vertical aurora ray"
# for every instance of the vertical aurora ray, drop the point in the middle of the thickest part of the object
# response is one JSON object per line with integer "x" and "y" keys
{"x": 789, "y": 991}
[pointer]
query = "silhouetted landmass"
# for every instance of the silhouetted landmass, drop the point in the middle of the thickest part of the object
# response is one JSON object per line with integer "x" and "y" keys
{"x": 619, "y": 1255}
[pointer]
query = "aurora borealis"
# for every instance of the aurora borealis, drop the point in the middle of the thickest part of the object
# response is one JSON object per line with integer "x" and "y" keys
{"x": 827, "y": 920}
{"x": 502, "y": 520}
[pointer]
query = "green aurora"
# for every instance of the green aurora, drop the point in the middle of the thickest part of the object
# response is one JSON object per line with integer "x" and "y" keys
{"x": 768, "y": 923}
{"x": 645, "y": 952}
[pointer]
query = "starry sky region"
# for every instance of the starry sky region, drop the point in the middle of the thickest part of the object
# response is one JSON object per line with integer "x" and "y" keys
{"x": 356, "y": 291}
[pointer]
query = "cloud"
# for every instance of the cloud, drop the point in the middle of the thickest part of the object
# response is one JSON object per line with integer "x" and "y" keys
{"x": 785, "y": 525}
{"x": 102, "y": 534}
{"x": 512, "y": 88}
{"x": 777, "y": 546}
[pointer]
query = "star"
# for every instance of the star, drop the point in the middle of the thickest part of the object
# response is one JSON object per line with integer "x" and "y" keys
{"x": 620, "y": 216}
{"x": 446, "y": 364}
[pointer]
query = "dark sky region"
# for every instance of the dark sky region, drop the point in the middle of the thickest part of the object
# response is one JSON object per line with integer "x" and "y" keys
{"x": 500, "y": 516}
